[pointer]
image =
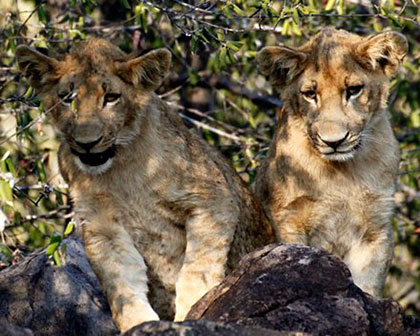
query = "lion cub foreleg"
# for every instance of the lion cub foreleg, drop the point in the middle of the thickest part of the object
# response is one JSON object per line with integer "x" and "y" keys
{"x": 209, "y": 237}
{"x": 121, "y": 270}
{"x": 369, "y": 262}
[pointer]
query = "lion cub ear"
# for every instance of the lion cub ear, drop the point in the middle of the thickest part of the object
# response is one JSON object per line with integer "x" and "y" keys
{"x": 281, "y": 64}
{"x": 147, "y": 71}
{"x": 384, "y": 50}
{"x": 38, "y": 68}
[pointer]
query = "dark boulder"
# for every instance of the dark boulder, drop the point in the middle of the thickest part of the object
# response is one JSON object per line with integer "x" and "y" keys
{"x": 201, "y": 328}
{"x": 12, "y": 330}
{"x": 279, "y": 290}
{"x": 297, "y": 288}
{"x": 51, "y": 300}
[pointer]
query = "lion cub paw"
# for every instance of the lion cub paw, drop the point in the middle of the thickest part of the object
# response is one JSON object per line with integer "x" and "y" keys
{"x": 180, "y": 316}
{"x": 134, "y": 315}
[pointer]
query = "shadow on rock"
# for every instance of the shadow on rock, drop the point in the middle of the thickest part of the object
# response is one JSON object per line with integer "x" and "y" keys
{"x": 50, "y": 300}
{"x": 299, "y": 289}
{"x": 201, "y": 328}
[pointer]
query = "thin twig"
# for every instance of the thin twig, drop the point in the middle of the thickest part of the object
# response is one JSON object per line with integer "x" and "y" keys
{"x": 408, "y": 172}
{"x": 56, "y": 213}
{"x": 29, "y": 17}
{"x": 171, "y": 92}
{"x": 212, "y": 129}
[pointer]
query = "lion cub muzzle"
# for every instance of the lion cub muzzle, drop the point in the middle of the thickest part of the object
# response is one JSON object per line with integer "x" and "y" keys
{"x": 91, "y": 145}
{"x": 93, "y": 156}
{"x": 334, "y": 141}
{"x": 95, "y": 159}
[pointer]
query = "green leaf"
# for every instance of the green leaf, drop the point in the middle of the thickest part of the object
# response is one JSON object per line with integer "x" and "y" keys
{"x": 341, "y": 7}
{"x": 54, "y": 243}
{"x": 383, "y": 10}
{"x": 238, "y": 10}
{"x": 4, "y": 250}
{"x": 235, "y": 46}
{"x": 42, "y": 15}
{"x": 69, "y": 228}
{"x": 10, "y": 166}
{"x": 415, "y": 119}
{"x": 295, "y": 15}
{"x": 227, "y": 12}
{"x": 56, "y": 257}
{"x": 296, "y": 29}
{"x": 231, "y": 56}
{"x": 201, "y": 36}
{"x": 125, "y": 4}
{"x": 220, "y": 35}
{"x": 28, "y": 93}
{"x": 252, "y": 121}
{"x": 330, "y": 5}
{"x": 17, "y": 218}
{"x": 193, "y": 44}
{"x": 51, "y": 248}
{"x": 41, "y": 108}
{"x": 6, "y": 193}
{"x": 41, "y": 171}
{"x": 223, "y": 53}
{"x": 286, "y": 27}
{"x": 74, "y": 105}
{"x": 193, "y": 77}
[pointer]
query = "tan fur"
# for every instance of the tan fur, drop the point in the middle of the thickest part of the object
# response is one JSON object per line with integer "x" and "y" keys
{"x": 168, "y": 217}
{"x": 341, "y": 202}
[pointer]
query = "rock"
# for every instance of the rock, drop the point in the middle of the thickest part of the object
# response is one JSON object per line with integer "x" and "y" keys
{"x": 51, "y": 300}
{"x": 298, "y": 288}
{"x": 201, "y": 328}
{"x": 279, "y": 290}
{"x": 411, "y": 325}
{"x": 12, "y": 330}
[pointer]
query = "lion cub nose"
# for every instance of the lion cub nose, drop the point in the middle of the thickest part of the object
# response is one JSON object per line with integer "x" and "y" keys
{"x": 335, "y": 140}
{"x": 88, "y": 145}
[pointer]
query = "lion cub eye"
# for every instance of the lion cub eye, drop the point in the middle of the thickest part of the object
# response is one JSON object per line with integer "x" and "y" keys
{"x": 67, "y": 97}
{"x": 111, "y": 98}
{"x": 353, "y": 91}
{"x": 309, "y": 94}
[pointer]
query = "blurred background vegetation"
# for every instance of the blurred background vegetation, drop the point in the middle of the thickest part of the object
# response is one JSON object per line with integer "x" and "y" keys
{"x": 215, "y": 85}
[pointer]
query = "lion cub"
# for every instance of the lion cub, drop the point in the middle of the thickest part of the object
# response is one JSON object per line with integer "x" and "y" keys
{"x": 165, "y": 216}
{"x": 328, "y": 180}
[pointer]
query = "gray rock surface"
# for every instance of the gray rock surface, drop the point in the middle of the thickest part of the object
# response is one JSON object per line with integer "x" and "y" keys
{"x": 298, "y": 288}
{"x": 279, "y": 290}
{"x": 201, "y": 328}
{"x": 52, "y": 300}
{"x": 12, "y": 330}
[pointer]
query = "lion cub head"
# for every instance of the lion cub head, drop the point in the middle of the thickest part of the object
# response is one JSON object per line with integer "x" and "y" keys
{"x": 95, "y": 94}
{"x": 337, "y": 84}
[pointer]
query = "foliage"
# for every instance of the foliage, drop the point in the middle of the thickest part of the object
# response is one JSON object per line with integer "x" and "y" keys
{"x": 216, "y": 87}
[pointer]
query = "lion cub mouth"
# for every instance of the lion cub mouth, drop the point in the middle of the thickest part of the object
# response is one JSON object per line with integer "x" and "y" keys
{"x": 95, "y": 159}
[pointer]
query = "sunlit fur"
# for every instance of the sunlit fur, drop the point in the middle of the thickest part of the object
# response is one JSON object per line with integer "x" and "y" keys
{"x": 167, "y": 216}
{"x": 337, "y": 195}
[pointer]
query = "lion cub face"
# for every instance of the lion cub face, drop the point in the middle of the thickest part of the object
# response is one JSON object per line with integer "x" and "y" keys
{"x": 94, "y": 93}
{"x": 337, "y": 85}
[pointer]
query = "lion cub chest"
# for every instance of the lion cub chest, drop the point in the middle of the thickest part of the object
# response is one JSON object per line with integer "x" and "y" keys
{"x": 335, "y": 215}
{"x": 339, "y": 221}
{"x": 158, "y": 233}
